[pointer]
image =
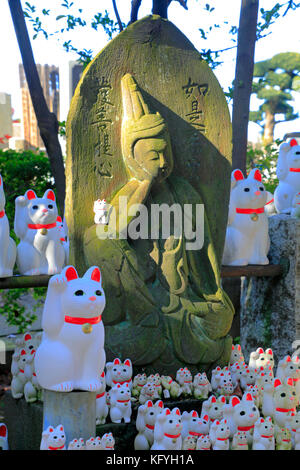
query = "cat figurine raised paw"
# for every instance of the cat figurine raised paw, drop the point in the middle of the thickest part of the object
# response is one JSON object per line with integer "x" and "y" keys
{"x": 8, "y": 250}
{"x": 71, "y": 354}
{"x": 40, "y": 250}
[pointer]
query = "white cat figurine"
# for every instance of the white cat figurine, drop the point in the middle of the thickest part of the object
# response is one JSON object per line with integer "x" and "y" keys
{"x": 8, "y": 251}
{"x": 167, "y": 430}
{"x": 101, "y": 212}
{"x": 288, "y": 173}
{"x": 76, "y": 444}
{"x": 40, "y": 250}
{"x": 53, "y": 438}
{"x": 219, "y": 435}
{"x": 118, "y": 372}
{"x": 71, "y": 354}
{"x": 263, "y": 435}
{"x": 108, "y": 441}
{"x": 247, "y": 238}
{"x": 145, "y": 422}
{"x": 120, "y": 403}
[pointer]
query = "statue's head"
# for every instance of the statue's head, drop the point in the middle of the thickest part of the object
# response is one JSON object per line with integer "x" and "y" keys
{"x": 146, "y": 145}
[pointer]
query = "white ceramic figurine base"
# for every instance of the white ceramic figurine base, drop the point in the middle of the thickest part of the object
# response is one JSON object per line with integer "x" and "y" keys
{"x": 71, "y": 354}
{"x": 247, "y": 238}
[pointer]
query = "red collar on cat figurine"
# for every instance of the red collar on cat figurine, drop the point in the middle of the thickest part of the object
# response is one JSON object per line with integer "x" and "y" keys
{"x": 82, "y": 321}
{"x": 296, "y": 170}
{"x": 260, "y": 210}
{"x": 38, "y": 226}
{"x": 2, "y": 214}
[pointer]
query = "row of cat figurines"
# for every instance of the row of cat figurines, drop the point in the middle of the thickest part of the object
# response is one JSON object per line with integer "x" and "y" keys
{"x": 247, "y": 235}
{"x": 43, "y": 247}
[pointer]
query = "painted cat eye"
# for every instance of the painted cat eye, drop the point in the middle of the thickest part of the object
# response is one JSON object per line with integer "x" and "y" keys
{"x": 98, "y": 292}
{"x": 79, "y": 292}
{"x": 35, "y": 207}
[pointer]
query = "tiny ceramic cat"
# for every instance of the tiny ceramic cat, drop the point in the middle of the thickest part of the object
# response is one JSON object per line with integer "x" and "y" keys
{"x": 247, "y": 238}
{"x": 185, "y": 380}
{"x": 40, "y": 250}
{"x": 236, "y": 354}
{"x": 93, "y": 443}
{"x": 167, "y": 430}
{"x": 101, "y": 212}
{"x": 76, "y": 444}
{"x": 31, "y": 387}
{"x": 170, "y": 387}
{"x": 63, "y": 238}
{"x": 3, "y": 437}
{"x": 120, "y": 403}
{"x": 193, "y": 425}
{"x": 148, "y": 392}
{"x": 71, "y": 354}
{"x": 283, "y": 439}
{"x": 294, "y": 425}
{"x": 19, "y": 379}
{"x": 284, "y": 402}
{"x": 138, "y": 382}
{"x": 101, "y": 405}
{"x": 219, "y": 435}
{"x": 8, "y": 250}
{"x": 145, "y": 422}
{"x": 201, "y": 386}
{"x": 156, "y": 381}
{"x": 189, "y": 443}
{"x": 213, "y": 408}
{"x": 239, "y": 441}
{"x": 53, "y": 438}
{"x": 241, "y": 415}
{"x": 288, "y": 173}
{"x": 263, "y": 435}
{"x": 203, "y": 443}
{"x": 108, "y": 441}
{"x": 118, "y": 372}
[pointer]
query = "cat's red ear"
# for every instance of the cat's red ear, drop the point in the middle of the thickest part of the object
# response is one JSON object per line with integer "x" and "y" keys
{"x": 161, "y": 404}
{"x": 27, "y": 337}
{"x": 71, "y": 273}
{"x": 102, "y": 375}
{"x": 293, "y": 142}
{"x": 30, "y": 194}
{"x": 117, "y": 362}
{"x": 257, "y": 175}
{"x": 194, "y": 414}
{"x": 238, "y": 175}
{"x": 96, "y": 275}
{"x": 59, "y": 219}
{"x": 49, "y": 194}
{"x": 127, "y": 362}
{"x": 149, "y": 404}
{"x": 3, "y": 430}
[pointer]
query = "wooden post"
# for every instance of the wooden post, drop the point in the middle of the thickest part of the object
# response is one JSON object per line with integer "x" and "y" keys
{"x": 76, "y": 411}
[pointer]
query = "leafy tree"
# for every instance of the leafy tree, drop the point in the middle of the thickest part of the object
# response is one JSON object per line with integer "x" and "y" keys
{"x": 276, "y": 78}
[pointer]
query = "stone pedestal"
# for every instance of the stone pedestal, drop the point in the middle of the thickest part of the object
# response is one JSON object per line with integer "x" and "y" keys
{"x": 270, "y": 306}
{"x": 76, "y": 411}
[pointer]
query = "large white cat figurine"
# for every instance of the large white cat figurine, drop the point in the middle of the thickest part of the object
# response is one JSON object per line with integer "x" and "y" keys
{"x": 40, "y": 250}
{"x": 8, "y": 249}
{"x": 247, "y": 238}
{"x": 71, "y": 354}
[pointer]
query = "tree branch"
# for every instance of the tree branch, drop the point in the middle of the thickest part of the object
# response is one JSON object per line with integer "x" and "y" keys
{"x": 47, "y": 121}
{"x": 117, "y": 15}
{"x": 135, "y": 5}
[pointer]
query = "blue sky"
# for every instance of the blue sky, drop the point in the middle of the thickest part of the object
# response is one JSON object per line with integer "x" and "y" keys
{"x": 285, "y": 37}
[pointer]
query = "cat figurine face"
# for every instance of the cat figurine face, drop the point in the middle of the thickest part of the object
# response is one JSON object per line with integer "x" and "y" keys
{"x": 108, "y": 441}
{"x": 119, "y": 372}
{"x": 76, "y": 444}
{"x": 41, "y": 210}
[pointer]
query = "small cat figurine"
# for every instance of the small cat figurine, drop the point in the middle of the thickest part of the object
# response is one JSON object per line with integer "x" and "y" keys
{"x": 77, "y": 444}
{"x": 40, "y": 250}
{"x": 71, "y": 354}
{"x": 63, "y": 237}
{"x": 101, "y": 405}
{"x": 101, "y": 212}
{"x": 288, "y": 173}
{"x": 53, "y": 438}
{"x": 108, "y": 441}
{"x": 119, "y": 372}
{"x": 93, "y": 443}
{"x": 247, "y": 238}
{"x": 8, "y": 250}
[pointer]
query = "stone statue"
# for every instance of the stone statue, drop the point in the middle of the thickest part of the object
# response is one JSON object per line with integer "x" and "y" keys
{"x": 165, "y": 305}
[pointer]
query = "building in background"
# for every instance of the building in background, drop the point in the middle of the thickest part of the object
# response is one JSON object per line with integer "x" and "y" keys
{"x": 49, "y": 77}
{"x": 6, "y": 125}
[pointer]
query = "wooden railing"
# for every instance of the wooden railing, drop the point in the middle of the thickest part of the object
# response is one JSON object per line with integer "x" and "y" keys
{"x": 270, "y": 270}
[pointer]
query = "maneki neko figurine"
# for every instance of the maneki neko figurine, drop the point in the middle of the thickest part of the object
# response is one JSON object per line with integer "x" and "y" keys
{"x": 40, "y": 250}
{"x": 145, "y": 422}
{"x": 8, "y": 251}
{"x": 247, "y": 237}
{"x": 288, "y": 173}
{"x": 71, "y": 354}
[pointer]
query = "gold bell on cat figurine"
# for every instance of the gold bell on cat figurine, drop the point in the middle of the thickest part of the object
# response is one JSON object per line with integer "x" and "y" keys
{"x": 254, "y": 217}
{"x": 43, "y": 231}
{"x": 87, "y": 328}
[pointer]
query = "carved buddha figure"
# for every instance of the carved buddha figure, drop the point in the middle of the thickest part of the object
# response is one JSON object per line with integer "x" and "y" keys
{"x": 167, "y": 306}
